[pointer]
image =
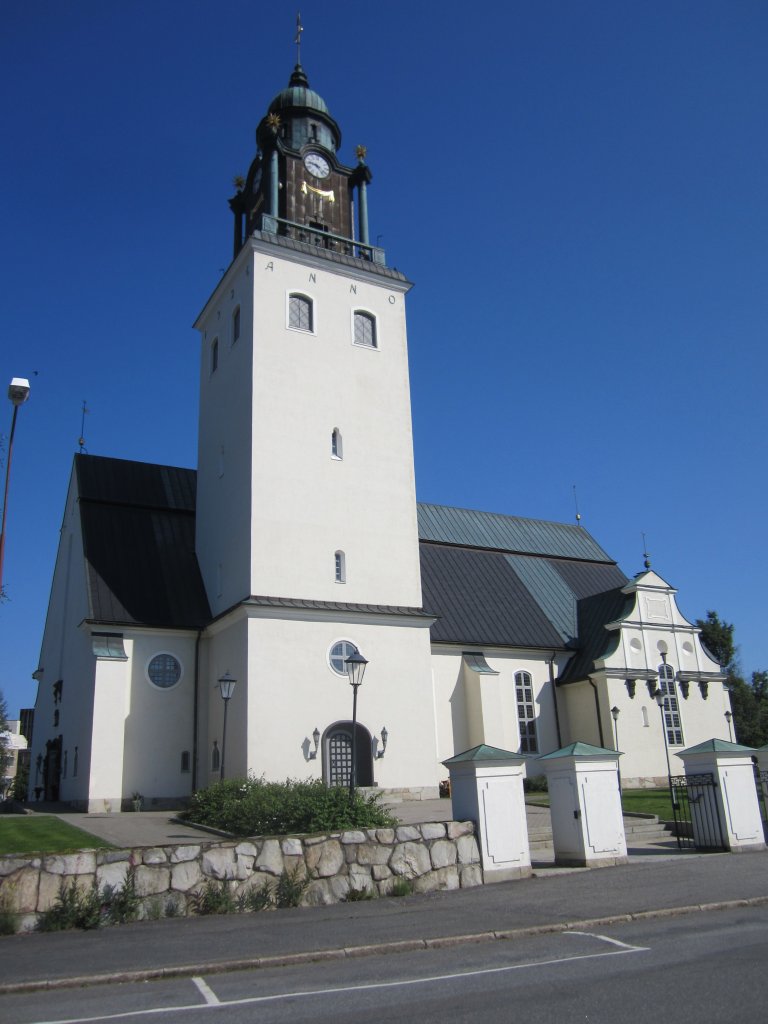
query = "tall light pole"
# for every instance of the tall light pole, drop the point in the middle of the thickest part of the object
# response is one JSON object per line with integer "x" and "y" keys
{"x": 659, "y": 698}
{"x": 18, "y": 392}
{"x": 226, "y": 687}
{"x": 615, "y": 712}
{"x": 355, "y": 664}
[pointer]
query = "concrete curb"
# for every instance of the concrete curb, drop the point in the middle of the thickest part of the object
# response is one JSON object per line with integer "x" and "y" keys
{"x": 375, "y": 949}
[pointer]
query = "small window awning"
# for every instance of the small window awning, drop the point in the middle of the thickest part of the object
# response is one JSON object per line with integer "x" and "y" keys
{"x": 109, "y": 646}
{"x": 475, "y": 660}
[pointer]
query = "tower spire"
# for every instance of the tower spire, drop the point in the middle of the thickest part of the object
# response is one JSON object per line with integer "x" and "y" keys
{"x": 299, "y": 30}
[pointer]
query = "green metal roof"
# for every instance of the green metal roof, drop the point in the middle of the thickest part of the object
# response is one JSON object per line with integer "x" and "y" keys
{"x": 579, "y": 749}
{"x": 468, "y": 528}
{"x": 483, "y": 753}
{"x": 718, "y": 747}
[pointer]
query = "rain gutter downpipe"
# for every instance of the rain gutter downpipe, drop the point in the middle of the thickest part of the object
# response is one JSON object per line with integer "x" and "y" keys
{"x": 196, "y": 710}
{"x": 597, "y": 712}
{"x": 553, "y": 684}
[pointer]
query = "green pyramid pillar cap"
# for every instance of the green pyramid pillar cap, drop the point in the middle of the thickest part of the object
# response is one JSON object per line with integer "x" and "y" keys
{"x": 718, "y": 747}
{"x": 483, "y": 752}
{"x": 580, "y": 749}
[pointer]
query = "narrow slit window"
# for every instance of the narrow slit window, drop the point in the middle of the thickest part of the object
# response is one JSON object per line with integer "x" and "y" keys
{"x": 185, "y": 761}
{"x": 365, "y": 330}
{"x": 215, "y": 355}
{"x": 235, "y": 325}
{"x": 337, "y": 451}
{"x": 340, "y": 567}
{"x": 300, "y": 313}
{"x": 215, "y": 757}
{"x": 671, "y": 709}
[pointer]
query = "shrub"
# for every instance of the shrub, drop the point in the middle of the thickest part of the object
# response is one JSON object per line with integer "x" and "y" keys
{"x": 536, "y": 784}
{"x": 402, "y": 886}
{"x": 255, "y": 807}
{"x": 359, "y": 895}
{"x": 121, "y": 904}
{"x": 213, "y": 898}
{"x": 73, "y": 908}
{"x": 257, "y": 898}
{"x": 291, "y": 886}
{"x": 7, "y": 919}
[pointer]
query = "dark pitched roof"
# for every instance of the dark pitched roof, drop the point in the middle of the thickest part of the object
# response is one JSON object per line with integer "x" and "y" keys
{"x": 138, "y": 524}
{"x": 593, "y": 614}
{"x": 510, "y": 582}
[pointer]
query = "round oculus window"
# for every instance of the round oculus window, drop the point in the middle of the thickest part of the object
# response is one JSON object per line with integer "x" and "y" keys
{"x": 339, "y": 653}
{"x": 164, "y": 671}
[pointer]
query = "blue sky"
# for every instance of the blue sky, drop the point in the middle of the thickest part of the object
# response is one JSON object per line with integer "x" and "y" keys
{"x": 579, "y": 191}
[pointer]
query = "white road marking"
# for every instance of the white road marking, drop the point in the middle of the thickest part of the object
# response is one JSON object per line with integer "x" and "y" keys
{"x": 314, "y": 993}
{"x": 207, "y": 993}
{"x": 613, "y": 942}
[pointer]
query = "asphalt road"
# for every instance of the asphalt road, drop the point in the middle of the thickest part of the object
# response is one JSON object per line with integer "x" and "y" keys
{"x": 694, "y": 968}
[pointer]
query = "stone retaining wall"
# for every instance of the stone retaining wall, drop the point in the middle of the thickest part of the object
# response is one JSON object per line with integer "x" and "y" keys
{"x": 440, "y": 855}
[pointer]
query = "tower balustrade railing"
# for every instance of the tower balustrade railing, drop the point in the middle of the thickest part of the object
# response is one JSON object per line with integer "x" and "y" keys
{"x": 322, "y": 239}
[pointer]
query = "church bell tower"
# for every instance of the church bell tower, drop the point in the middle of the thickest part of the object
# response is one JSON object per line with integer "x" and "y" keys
{"x": 306, "y": 530}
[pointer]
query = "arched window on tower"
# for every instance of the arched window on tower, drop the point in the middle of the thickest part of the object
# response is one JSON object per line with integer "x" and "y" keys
{"x": 365, "y": 329}
{"x": 236, "y": 325}
{"x": 337, "y": 448}
{"x": 300, "y": 312}
{"x": 214, "y": 355}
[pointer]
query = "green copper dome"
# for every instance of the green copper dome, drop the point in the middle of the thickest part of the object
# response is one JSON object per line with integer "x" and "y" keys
{"x": 298, "y": 94}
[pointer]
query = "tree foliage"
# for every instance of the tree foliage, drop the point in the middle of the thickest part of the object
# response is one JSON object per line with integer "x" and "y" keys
{"x": 749, "y": 700}
{"x": 4, "y": 744}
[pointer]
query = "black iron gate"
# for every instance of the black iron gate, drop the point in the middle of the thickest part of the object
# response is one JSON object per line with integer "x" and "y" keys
{"x": 696, "y": 812}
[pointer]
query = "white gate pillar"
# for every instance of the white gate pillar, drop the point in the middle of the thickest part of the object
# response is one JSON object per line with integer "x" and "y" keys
{"x": 487, "y": 788}
{"x": 735, "y": 795}
{"x": 584, "y": 800}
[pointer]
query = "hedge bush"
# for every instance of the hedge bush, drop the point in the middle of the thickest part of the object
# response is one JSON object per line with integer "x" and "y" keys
{"x": 251, "y": 807}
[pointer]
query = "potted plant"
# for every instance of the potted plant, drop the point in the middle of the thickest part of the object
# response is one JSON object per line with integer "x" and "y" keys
{"x": 138, "y": 800}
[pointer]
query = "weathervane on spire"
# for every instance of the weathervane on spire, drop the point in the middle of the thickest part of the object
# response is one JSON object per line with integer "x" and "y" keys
{"x": 646, "y": 555}
{"x": 299, "y": 30}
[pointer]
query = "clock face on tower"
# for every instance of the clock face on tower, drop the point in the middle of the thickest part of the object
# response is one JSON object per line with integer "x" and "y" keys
{"x": 317, "y": 165}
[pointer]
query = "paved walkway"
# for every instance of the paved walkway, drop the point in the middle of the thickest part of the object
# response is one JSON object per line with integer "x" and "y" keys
{"x": 157, "y": 828}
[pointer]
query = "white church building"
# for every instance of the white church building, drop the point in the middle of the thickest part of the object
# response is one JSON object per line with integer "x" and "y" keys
{"x": 477, "y": 627}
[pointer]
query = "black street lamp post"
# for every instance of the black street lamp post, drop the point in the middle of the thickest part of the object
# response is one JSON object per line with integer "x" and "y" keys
{"x": 615, "y": 712}
{"x": 226, "y": 687}
{"x": 355, "y": 664}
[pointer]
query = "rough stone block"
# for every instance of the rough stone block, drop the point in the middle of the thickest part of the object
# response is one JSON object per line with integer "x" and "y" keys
{"x": 325, "y": 859}
{"x": 410, "y": 859}
{"x": 385, "y": 886}
{"x": 271, "y": 857}
{"x": 8, "y": 865}
{"x": 154, "y": 855}
{"x": 373, "y": 853}
{"x": 339, "y": 886}
{"x": 353, "y": 837}
{"x": 48, "y": 890}
{"x": 314, "y": 840}
{"x": 443, "y": 853}
{"x": 357, "y": 872}
{"x": 443, "y": 878}
{"x": 112, "y": 874}
{"x": 380, "y": 871}
{"x": 81, "y": 863}
{"x": 116, "y": 857}
{"x": 407, "y": 832}
{"x": 292, "y": 848}
{"x": 20, "y": 893}
{"x": 470, "y": 875}
{"x": 460, "y": 828}
{"x": 466, "y": 847}
{"x": 186, "y": 876}
{"x": 319, "y": 893}
{"x": 433, "y": 830}
{"x": 220, "y": 863}
{"x": 385, "y": 835}
{"x": 246, "y": 850}
{"x": 184, "y": 853}
{"x": 151, "y": 880}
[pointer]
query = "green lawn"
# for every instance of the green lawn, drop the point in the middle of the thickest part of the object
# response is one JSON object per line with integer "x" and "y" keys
{"x": 43, "y": 834}
{"x": 642, "y": 801}
{"x": 648, "y": 801}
